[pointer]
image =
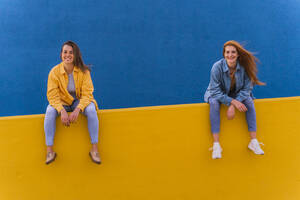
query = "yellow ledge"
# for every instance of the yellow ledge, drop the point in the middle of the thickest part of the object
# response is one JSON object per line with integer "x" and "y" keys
{"x": 155, "y": 153}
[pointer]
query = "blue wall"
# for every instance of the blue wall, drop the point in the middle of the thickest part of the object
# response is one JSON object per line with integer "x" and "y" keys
{"x": 143, "y": 52}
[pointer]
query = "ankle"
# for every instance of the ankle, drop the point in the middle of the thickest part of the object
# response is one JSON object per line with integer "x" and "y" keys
{"x": 94, "y": 148}
{"x": 49, "y": 149}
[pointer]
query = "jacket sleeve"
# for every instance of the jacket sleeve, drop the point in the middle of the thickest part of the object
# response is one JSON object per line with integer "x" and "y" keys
{"x": 53, "y": 92}
{"x": 245, "y": 91}
{"x": 87, "y": 90}
{"x": 215, "y": 86}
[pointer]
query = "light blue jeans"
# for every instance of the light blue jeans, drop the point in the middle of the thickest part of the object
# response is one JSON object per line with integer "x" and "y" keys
{"x": 51, "y": 115}
{"x": 214, "y": 114}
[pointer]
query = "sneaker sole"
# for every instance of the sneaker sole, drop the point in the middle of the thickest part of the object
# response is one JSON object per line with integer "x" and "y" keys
{"x": 254, "y": 151}
{"x": 217, "y": 157}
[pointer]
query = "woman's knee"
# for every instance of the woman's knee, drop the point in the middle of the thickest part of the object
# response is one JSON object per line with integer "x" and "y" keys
{"x": 214, "y": 104}
{"x": 90, "y": 109}
{"x": 249, "y": 103}
{"x": 51, "y": 112}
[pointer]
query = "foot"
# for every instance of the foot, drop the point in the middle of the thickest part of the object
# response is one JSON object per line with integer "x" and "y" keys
{"x": 217, "y": 150}
{"x": 51, "y": 155}
{"x": 255, "y": 147}
{"x": 95, "y": 157}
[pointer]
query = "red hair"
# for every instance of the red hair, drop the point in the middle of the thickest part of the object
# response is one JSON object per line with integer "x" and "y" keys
{"x": 246, "y": 60}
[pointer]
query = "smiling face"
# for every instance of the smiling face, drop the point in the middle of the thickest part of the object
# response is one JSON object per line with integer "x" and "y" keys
{"x": 231, "y": 55}
{"x": 67, "y": 55}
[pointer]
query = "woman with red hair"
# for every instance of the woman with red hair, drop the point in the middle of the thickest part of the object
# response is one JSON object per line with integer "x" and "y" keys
{"x": 231, "y": 83}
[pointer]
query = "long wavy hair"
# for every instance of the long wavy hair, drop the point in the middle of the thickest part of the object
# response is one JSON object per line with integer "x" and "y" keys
{"x": 77, "y": 56}
{"x": 246, "y": 60}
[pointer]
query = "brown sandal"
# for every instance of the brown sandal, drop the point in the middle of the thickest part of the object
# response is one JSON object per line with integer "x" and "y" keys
{"x": 95, "y": 157}
{"x": 50, "y": 157}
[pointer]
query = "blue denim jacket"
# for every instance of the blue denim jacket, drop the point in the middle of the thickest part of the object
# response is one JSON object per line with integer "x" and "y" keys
{"x": 219, "y": 85}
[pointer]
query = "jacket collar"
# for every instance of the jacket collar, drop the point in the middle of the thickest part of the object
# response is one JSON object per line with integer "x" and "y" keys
{"x": 62, "y": 69}
{"x": 225, "y": 66}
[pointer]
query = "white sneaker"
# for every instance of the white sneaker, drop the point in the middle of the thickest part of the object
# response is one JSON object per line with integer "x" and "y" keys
{"x": 255, "y": 147}
{"x": 216, "y": 150}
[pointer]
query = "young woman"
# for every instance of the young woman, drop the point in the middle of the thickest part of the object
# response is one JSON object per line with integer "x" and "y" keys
{"x": 231, "y": 82}
{"x": 70, "y": 89}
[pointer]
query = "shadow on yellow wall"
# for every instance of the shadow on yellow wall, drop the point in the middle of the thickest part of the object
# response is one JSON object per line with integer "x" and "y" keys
{"x": 155, "y": 153}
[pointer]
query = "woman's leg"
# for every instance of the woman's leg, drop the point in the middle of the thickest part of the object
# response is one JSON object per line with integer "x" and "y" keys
{"x": 214, "y": 115}
{"x": 49, "y": 127}
{"x": 250, "y": 117}
{"x": 93, "y": 123}
{"x": 251, "y": 121}
{"x": 93, "y": 126}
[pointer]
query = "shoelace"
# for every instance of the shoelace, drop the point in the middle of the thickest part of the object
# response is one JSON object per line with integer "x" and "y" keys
{"x": 259, "y": 144}
{"x": 257, "y": 147}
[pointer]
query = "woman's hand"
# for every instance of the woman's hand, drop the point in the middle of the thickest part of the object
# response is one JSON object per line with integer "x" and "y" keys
{"x": 74, "y": 115}
{"x": 64, "y": 117}
{"x": 238, "y": 105}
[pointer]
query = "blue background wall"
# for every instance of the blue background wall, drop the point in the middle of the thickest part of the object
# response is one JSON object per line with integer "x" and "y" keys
{"x": 143, "y": 52}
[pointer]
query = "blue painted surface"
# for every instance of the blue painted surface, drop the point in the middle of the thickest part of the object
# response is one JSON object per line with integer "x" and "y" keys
{"x": 143, "y": 52}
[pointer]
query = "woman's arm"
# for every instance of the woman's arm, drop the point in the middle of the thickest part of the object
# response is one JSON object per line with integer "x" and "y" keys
{"x": 53, "y": 92}
{"x": 54, "y": 98}
{"x": 243, "y": 94}
{"x": 215, "y": 86}
{"x": 245, "y": 91}
{"x": 87, "y": 90}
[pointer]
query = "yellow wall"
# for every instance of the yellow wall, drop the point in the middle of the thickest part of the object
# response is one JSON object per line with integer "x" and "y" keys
{"x": 155, "y": 153}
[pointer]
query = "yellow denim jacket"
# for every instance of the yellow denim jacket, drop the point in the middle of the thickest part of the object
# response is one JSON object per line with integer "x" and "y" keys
{"x": 58, "y": 94}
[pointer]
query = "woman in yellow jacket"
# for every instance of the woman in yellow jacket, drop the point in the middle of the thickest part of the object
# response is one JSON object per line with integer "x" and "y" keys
{"x": 70, "y": 89}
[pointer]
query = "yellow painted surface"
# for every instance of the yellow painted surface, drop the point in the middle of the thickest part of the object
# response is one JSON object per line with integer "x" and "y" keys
{"x": 155, "y": 153}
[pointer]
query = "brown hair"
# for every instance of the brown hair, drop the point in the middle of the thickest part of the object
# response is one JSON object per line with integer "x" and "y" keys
{"x": 246, "y": 60}
{"x": 77, "y": 56}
